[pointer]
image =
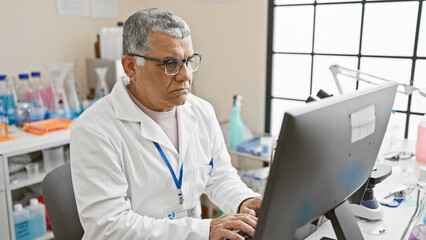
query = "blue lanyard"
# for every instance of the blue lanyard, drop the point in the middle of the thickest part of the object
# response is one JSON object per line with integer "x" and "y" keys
{"x": 178, "y": 183}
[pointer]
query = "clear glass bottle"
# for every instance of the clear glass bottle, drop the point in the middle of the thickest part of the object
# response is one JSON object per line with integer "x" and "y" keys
{"x": 236, "y": 125}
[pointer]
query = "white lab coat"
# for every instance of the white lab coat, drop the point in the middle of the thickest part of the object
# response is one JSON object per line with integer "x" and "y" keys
{"x": 123, "y": 187}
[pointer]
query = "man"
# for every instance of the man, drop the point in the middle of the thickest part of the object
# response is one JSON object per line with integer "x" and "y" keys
{"x": 142, "y": 156}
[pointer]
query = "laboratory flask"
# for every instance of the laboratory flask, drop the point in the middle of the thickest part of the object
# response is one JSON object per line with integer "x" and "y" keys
{"x": 59, "y": 107}
{"x": 101, "y": 85}
{"x": 73, "y": 98}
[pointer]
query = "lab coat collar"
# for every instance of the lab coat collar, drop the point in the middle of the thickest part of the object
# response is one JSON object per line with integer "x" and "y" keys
{"x": 125, "y": 109}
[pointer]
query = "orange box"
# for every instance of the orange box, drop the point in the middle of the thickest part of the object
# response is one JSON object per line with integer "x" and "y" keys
{"x": 45, "y": 126}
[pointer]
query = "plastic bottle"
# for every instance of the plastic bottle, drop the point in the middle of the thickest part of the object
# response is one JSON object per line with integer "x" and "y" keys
{"x": 37, "y": 218}
{"x": 236, "y": 125}
{"x": 39, "y": 107}
{"x": 2, "y": 89}
{"x": 421, "y": 141}
{"x": 21, "y": 219}
{"x": 7, "y": 92}
{"x": 25, "y": 90}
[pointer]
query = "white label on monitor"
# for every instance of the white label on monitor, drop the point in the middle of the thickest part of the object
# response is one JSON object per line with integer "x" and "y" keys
{"x": 363, "y": 123}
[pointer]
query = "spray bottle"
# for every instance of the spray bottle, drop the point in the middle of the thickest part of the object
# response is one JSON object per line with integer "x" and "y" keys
{"x": 236, "y": 125}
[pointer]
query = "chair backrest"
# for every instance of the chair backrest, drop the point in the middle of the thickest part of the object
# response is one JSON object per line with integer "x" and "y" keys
{"x": 60, "y": 203}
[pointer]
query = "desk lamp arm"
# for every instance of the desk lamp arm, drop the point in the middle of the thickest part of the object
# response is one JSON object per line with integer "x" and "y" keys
{"x": 364, "y": 77}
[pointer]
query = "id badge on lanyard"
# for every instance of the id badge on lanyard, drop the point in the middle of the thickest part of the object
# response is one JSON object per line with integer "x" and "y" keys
{"x": 178, "y": 183}
{"x": 180, "y": 212}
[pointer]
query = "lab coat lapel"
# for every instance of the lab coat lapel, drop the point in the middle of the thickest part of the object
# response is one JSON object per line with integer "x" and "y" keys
{"x": 153, "y": 132}
{"x": 126, "y": 109}
{"x": 186, "y": 124}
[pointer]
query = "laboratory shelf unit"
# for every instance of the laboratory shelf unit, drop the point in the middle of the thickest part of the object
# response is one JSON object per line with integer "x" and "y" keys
{"x": 23, "y": 143}
{"x": 49, "y": 235}
{"x": 250, "y": 156}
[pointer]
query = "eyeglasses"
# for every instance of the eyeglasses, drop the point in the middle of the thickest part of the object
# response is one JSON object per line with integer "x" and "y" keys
{"x": 174, "y": 65}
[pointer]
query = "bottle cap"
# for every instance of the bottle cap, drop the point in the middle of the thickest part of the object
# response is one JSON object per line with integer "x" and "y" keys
{"x": 23, "y": 76}
{"x": 33, "y": 202}
{"x": 2, "y": 77}
{"x": 422, "y": 174}
{"x": 17, "y": 207}
{"x": 237, "y": 100}
{"x": 35, "y": 74}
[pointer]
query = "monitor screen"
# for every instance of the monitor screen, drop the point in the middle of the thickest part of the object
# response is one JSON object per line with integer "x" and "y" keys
{"x": 326, "y": 151}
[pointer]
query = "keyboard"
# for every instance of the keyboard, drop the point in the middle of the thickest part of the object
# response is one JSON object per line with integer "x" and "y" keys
{"x": 243, "y": 234}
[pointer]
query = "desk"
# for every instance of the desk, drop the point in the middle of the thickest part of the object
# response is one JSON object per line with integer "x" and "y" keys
{"x": 25, "y": 143}
{"x": 395, "y": 219}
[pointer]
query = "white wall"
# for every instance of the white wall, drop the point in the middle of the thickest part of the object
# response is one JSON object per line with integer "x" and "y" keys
{"x": 231, "y": 36}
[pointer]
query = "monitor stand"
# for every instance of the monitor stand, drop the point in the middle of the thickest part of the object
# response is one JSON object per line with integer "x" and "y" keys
{"x": 344, "y": 222}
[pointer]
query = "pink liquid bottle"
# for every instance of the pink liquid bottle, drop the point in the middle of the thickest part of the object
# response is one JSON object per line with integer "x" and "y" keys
{"x": 421, "y": 141}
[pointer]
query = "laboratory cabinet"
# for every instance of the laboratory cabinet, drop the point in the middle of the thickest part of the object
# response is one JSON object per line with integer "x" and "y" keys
{"x": 24, "y": 143}
{"x": 4, "y": 223}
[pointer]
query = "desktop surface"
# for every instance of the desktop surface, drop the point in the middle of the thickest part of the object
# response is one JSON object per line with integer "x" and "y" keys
{"x": 395, "y": 219}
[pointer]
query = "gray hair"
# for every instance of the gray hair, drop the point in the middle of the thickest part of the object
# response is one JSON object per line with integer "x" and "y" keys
{"x": 140, "y": 25}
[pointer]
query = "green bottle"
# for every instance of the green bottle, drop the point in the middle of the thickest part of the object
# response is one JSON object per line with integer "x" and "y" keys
{"x": 236, "y": 125}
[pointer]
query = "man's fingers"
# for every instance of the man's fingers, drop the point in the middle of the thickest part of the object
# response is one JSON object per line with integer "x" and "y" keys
{"x": 224, "y": 226}
{"x": 245, "y": 223}
{"x": 232, "y": 235}
{"x": 248, "y": 211}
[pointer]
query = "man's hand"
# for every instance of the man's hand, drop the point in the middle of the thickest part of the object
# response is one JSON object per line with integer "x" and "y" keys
{"x": 251, "y": 206}
{"x": 223, "y": 226}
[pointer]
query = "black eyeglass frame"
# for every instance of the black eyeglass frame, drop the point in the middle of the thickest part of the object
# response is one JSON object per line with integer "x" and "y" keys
{"x": 167, "y": 60}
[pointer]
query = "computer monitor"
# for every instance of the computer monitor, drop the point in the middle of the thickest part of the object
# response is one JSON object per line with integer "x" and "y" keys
{"x": 326, "y": 151}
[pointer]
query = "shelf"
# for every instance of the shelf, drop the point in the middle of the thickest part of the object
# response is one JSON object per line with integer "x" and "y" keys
{"x": 24, "y": 181}
{"x": 49, "y": 235}
{"x": 26, "y": 142}
{"x": 251, "y": 156}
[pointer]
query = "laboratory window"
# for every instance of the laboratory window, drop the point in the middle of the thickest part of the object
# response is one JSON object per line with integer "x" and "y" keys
{"x": 385, "y": 38}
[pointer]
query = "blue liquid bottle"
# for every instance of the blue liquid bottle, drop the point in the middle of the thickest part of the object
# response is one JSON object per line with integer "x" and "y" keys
{"x": 21, "y": 219}
{"x": 8, "y": 97}
{"x": 37, "y": 218}
{"x": 236, "y": 125}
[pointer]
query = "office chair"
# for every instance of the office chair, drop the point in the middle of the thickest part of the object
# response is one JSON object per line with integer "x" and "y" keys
{"x": 60, "y": 203}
